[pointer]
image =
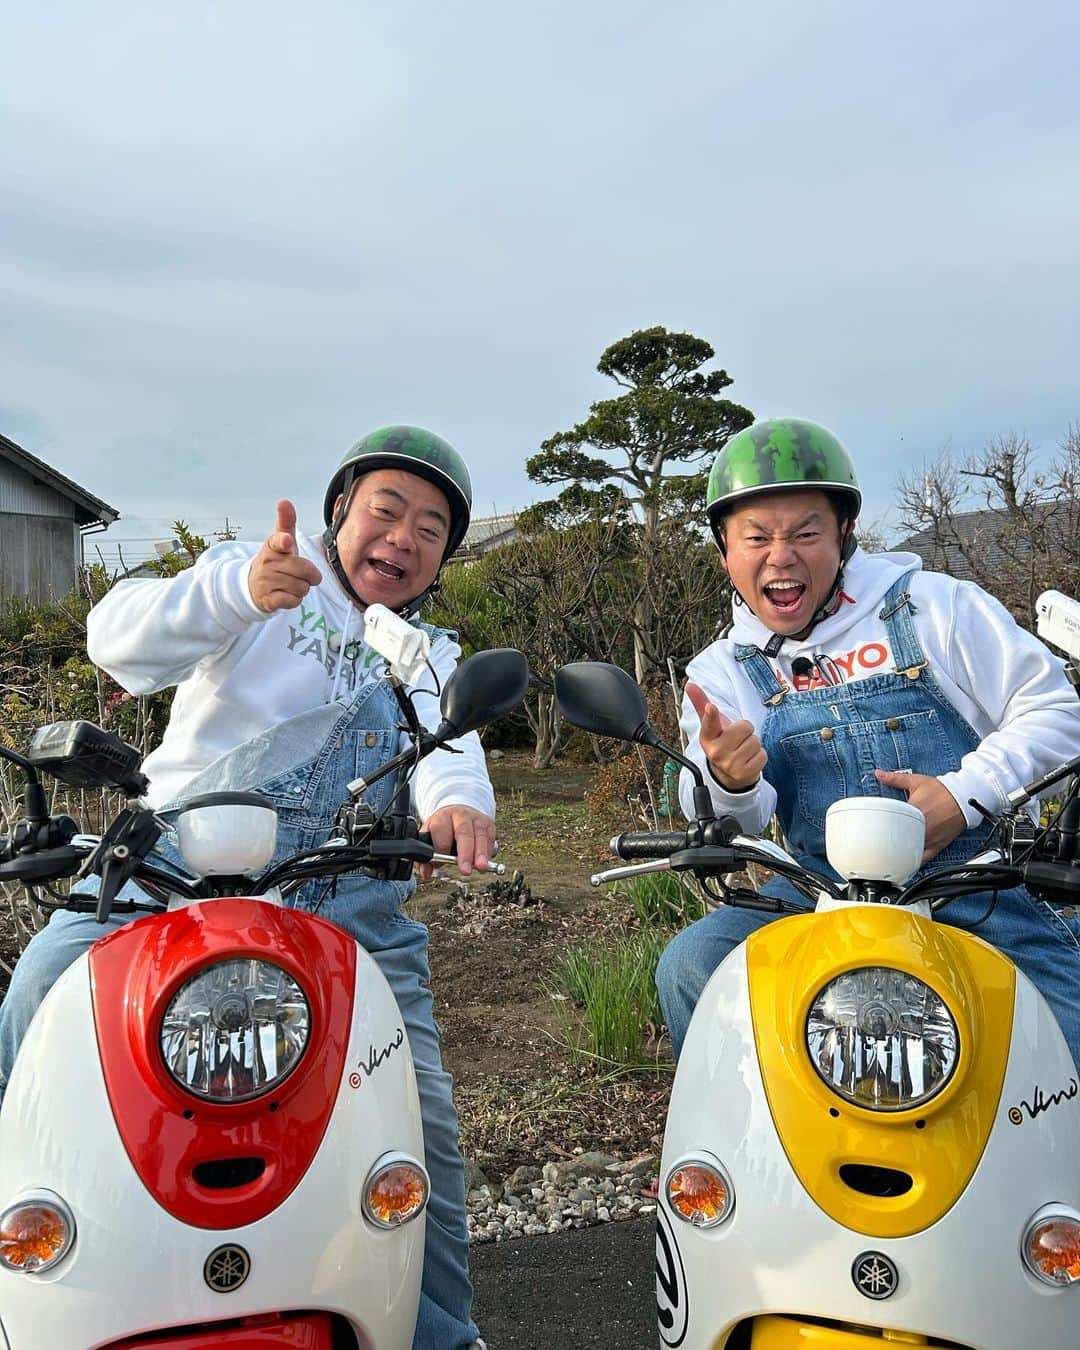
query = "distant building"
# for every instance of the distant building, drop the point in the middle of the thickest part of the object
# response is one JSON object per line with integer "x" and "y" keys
{"x": 43, "y": 518}
{"x": 484, "y": 534}
{"x": 989, "y": 538}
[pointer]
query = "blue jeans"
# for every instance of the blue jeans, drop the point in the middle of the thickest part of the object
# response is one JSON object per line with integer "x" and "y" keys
{"x": 1039, "y": 940}
{"x": 399, "y": 947}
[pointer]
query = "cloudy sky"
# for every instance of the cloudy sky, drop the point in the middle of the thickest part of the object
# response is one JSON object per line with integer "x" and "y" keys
{"x": 235, "y": 236}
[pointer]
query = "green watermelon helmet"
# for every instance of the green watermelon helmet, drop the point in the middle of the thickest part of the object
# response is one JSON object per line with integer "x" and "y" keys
{"x": 415, "y": 451}
{"x": 775, "y": 455}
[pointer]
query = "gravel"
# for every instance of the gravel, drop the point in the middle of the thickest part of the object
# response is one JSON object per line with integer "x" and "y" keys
{"x": 581, "y": 1191}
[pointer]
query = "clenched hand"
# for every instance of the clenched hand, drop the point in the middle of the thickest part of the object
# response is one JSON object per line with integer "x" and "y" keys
{"x": 733, "y": 750}
{"x": 280, "y": 576}
{"x": 944, "y": 819}
{"x": 470, "y": 832}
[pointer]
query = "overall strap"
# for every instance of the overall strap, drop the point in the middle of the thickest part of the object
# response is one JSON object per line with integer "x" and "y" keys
{"x": 761, "y": 674}
{"x": 433, "y": 630}
{"x": 896, "y": 611}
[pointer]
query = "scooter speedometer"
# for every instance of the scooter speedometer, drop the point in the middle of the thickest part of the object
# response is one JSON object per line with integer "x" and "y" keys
{"x": 235, "y": 1030}
{"x": 882, "y": 1039}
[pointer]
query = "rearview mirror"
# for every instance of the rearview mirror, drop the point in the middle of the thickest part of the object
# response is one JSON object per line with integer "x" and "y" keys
{"x": 603, "y": 699}
{"x": 483, "y": 687}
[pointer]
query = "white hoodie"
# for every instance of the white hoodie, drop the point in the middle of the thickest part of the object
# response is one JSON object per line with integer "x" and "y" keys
{"x": 240, "y": 671}
{"x": 1000, "y": 678}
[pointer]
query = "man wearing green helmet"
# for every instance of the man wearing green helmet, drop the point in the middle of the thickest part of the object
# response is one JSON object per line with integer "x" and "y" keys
{"x": 846, "y": 673}
{"x": 276, "y": 692}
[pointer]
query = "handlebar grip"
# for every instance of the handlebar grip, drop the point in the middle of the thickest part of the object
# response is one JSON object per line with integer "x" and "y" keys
{"x": 647, "y": 845}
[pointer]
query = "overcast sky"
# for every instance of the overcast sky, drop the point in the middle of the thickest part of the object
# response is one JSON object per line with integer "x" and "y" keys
{"x": 236, "y": 236}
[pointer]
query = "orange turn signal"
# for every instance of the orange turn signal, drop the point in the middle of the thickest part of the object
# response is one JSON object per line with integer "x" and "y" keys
{"x": 396, "y": 1191}
{"x": 35, "y": 1234}
{"x": 1052, "y": 1249}
{"x": 699, "y": 1192}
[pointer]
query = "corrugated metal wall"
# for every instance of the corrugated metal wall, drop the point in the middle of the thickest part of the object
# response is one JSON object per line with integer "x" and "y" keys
{"x": 40, "y": 547}
{"x": 21, "y": 495}
{"x": 38, "y": 556}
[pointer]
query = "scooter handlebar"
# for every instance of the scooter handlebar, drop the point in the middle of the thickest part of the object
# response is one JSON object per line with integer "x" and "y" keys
{"x": 647, "y": 845}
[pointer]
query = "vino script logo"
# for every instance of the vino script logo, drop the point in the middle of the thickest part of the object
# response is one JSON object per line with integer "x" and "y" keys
{"x": 375, "y": 1057}
{"x": 1041, "y": 1101}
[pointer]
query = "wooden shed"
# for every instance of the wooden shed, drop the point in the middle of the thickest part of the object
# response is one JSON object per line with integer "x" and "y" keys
{"x": 43, "y": 518}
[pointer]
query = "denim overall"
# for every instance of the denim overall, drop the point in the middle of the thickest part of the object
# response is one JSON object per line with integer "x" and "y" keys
{"x": 352, "y": 741}
{"x": 823, "y": 745}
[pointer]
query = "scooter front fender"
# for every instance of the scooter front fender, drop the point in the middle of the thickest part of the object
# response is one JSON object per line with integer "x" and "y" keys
{"x": 780, "y": 1253}
{"x": 135, "y": 1267}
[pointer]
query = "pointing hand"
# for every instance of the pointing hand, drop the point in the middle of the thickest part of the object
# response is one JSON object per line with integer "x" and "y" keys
{"x": 733, "y": 750}
{"x": 280, "y": 576}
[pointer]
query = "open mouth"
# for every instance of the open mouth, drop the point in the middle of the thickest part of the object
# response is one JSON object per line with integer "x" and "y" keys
{"x": 386, "y": 569}
{"x": 784, "y": 596}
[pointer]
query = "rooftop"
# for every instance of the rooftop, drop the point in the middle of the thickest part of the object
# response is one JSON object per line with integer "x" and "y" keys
{"x": 92, "y": 510}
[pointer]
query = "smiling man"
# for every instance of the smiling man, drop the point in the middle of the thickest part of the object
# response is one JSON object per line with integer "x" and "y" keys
{"x": 276, "y": 692}
{"x": 853, "y": 674}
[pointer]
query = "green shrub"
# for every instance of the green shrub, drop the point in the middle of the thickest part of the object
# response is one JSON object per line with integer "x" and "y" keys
{"x": 615, "y": 989}
{"x": 664, "y": 899}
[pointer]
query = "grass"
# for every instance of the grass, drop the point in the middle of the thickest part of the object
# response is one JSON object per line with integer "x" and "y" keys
{"x": 664, "y": 900}
{"x": 614, "y": 990}
{"x": 559, "y": 817}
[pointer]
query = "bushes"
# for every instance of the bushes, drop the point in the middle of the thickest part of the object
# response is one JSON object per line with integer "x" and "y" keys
{"x": 46, "y": 676}
{"x": 640, "y": 779}
{"x": 664, "y": 899}
{"x": 615, "y": 989}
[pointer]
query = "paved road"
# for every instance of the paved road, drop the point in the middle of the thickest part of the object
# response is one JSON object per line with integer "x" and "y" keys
{"x": 589, "y": 1288}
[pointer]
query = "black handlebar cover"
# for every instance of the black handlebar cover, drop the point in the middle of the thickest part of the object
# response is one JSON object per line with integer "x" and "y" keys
{"x": 647, "y": 845}
{"x": 1056, "y": 882}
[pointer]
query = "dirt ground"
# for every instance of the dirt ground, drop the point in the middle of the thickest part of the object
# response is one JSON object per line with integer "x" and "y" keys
{"x": 494, "y": 943}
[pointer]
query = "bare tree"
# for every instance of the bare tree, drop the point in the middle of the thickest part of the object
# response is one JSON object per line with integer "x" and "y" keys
{"x": 1001, "y": 519}
{"x": 689, "y": 595}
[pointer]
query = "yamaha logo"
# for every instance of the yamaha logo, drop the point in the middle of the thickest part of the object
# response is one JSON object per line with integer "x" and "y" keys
{"x": 875, "y": 1275}
{"x": 226, "y": 1268}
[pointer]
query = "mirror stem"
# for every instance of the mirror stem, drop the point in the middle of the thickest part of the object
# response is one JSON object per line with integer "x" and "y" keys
{"x": 703, "y": 808}
{"x": 35, "y": 802}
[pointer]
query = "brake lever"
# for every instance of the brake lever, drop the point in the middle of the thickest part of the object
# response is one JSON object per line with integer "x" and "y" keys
{"x": 126, "y": 843}
{"x": 497, "y": 868}
{"x": 630, "y": 870}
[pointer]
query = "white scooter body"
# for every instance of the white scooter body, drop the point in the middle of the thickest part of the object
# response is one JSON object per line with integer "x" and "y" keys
{"x": 960, "y": 1280}
{"x": 135, "y": 1268}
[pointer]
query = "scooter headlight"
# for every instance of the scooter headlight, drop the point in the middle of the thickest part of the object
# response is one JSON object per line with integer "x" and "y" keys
{"x": 882, "y": 1039}
{"x": 235, "y": 1030}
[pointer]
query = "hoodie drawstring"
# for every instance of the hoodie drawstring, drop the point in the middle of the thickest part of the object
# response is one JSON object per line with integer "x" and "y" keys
{"x": 341, "y": 655}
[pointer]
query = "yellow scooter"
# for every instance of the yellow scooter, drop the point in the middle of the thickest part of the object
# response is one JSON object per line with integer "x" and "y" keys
{"x": 874, "y": 1130}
